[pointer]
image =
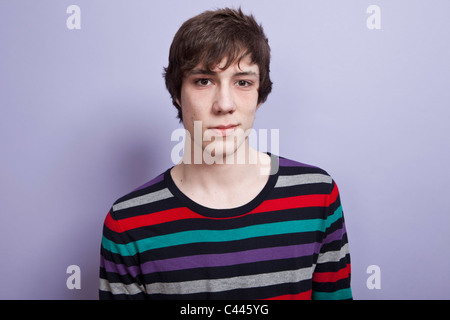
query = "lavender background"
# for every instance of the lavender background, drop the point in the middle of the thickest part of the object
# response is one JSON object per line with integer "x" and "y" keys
{"x": 85, "y": 118}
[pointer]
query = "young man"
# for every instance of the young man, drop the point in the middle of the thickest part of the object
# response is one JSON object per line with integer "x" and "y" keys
{"x": 220, "y": 225}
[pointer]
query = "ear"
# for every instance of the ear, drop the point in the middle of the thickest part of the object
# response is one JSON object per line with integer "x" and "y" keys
{"x": 258, "y": 105}
{"x": 178, "y": 102}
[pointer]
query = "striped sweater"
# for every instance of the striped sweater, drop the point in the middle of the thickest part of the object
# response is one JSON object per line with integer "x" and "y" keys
{"x": 289, "y": 242}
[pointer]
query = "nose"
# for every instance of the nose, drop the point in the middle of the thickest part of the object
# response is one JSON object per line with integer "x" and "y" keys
{"x": 224, "y": 101}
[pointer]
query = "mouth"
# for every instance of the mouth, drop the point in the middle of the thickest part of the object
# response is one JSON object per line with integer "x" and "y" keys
{"x": 224, "y": 130}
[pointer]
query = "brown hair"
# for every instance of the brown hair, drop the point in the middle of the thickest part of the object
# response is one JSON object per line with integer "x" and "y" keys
{"x": 211, "y": 36}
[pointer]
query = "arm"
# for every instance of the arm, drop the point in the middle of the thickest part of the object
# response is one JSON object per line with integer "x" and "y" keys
{"x": 119, "y": 267}
{"x": 331, "y": 278}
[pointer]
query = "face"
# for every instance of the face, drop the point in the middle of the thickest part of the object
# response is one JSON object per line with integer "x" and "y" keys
{"x": 222, "y": 103}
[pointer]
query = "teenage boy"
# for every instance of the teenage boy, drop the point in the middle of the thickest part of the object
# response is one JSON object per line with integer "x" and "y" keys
{"x": 220, "y": 225}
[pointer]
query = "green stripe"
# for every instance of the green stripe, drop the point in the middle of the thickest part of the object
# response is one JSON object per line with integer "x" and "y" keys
{"x": 196, "y": 236}
{"x": 333, "y": 218}
{"x": 336, "y": 295}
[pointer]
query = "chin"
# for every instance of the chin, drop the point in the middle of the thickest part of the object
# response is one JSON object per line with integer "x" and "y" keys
{"x": 225, "y": 152}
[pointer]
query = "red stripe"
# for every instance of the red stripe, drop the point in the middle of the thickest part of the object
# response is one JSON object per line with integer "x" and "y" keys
{"x": 315, "y": 200}
{"x": 156, "y": 218}
{"x": 333, "y": 195}
{"x": 300, "y": 296}
{"x": 332, "y": 276}
{"x": 111, "y": 223}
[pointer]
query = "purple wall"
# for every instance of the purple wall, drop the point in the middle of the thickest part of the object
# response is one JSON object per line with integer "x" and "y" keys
{"x": 85, "y": 118}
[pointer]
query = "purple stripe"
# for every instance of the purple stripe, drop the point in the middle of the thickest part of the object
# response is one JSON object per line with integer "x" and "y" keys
{"x": 291, "y": 163}
{"x": 151, "y": 182}
{"x": 336, "y": 235}
{"x": 227, "y": 259}
{"x": 119, "y": 268}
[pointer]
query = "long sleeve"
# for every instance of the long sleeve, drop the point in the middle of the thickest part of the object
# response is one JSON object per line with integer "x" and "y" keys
{"x": 119, "y": 268}
{"x": 331, "y": 278}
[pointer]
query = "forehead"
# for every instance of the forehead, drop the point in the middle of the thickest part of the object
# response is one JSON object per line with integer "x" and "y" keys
{"x": 244, "y": 65}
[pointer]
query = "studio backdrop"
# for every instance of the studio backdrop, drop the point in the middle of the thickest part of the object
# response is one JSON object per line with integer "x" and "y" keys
{"x": 361, "y": 89}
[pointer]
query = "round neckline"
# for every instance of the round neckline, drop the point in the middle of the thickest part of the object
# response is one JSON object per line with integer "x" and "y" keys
{"x": 228, "y": 212}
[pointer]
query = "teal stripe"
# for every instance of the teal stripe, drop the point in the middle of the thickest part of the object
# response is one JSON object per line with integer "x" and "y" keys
{"x": 333, "y": 218}
{"x": 196, "y": 236}
{"x": 336, "y": 295}
{"x": 124, "y": 250}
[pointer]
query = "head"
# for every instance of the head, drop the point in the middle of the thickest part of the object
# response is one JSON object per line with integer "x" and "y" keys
{"x": 224, "y": 37}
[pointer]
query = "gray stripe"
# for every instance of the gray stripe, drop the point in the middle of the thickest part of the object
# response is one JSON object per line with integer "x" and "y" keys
{"x": 286, "y": 181}
{"x": 145, "y": 199}
{"x": 333, "y": 256}
{"x": 120, "y": 288}
{"x": 217, "y": 285}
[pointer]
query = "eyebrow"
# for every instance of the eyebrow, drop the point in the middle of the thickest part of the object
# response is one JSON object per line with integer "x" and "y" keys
{"x": 209, "y": 72}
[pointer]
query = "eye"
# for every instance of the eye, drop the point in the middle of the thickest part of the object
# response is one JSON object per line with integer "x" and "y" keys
{"x": 243, "y": 83}
{"x": 203, "y": 82}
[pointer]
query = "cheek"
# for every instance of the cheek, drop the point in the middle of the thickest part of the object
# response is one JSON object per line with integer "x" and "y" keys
{"x": 248, "y": 99}
{"x": 249, "y": 107}
{"x": 192, "y": 105}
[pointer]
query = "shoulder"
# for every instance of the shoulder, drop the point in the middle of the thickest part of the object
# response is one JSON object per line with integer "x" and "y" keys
{"x": 294, "y": 173}
{"x": 290, "y": 167}
{"x": 142, "y": 197}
